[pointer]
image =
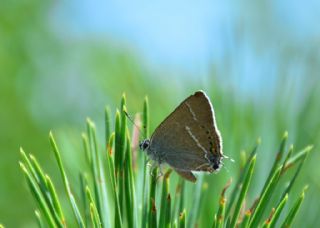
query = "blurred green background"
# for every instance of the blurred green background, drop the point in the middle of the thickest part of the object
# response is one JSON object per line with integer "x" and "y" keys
{"x": 61, "y": 61}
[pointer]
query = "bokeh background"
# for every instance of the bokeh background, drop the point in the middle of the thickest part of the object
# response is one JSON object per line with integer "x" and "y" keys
{"x": 61, "y": 61}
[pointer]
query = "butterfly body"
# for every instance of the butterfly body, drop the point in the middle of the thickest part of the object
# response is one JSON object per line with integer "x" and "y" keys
{"x": 188, "y": 139}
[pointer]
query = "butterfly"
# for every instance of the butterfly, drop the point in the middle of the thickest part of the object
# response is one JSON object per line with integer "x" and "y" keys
{"x": 188, "y": 139}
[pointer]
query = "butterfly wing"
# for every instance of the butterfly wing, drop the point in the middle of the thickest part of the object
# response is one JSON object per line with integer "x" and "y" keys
{"x": 188, "y": 138}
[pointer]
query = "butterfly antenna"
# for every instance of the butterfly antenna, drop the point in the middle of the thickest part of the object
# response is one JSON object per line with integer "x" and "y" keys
{"x": 131, "y": 120}
{"x": 227, "y": 157}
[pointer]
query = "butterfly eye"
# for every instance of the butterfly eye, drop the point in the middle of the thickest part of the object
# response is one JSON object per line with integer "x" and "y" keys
{"x": 144, "y": 144}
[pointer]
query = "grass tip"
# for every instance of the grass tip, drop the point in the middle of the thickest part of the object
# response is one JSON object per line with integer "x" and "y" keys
{"x": 87, "y": 189}
{"x": 285, "y": 135}
{"x": 258, "y": 140}
{"x": 309, "y": 148}
{"x": 124, "y": 109}
{"x": 22, "y": 151}
{"x": 254, "y": 158}
{"x": 291, "y": 147}
{"x": 23, "y": 167}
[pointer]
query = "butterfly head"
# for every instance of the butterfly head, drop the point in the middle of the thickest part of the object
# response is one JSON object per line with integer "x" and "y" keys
{"x": 216, "y": 162}
{"x": 144, "y": 145}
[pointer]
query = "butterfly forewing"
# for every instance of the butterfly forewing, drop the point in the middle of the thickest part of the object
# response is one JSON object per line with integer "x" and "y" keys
{"x": 188, "y": 138}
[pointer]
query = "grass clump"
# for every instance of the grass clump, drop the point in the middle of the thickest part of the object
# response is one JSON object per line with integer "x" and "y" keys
{"x": 118, "y": 191}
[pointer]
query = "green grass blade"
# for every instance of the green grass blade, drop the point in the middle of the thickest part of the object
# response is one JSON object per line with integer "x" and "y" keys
{"x": 292, "y": 181}
{"x": 145, "y": 204}
{"x": 264, "y": 199}
{"x": 177, "y": 198}
{"x": 93, "y": 209}
{"x": 39, "y": 220}
{"x": 55, "y": 201}
{"x": 200, "y": 190}
{"x": 293, "y": 212}
{"x": 215, "y": 221}
{"x": 152, "y": 223}
{"x": 84, "y": 198}
{"x": 110, "y": 163}
{"x": 168, "y": 212}
{"x": 152, "y": 197}
{"x": 277, "y": 212}
{"x": 222, "y": 205}
{"x": 71, "y": 199}
{"x": 288, "y": 156}
{"x": 182, "y": 195}
{"x": 107, "y": 122}
{"x": 246, "y": 219}
{"x": 145, "y": 119}
{"x": 129, "y": 187}
{"x": 297, "y": 157}
{"x": 237, "y": 187}
{"x": 38, "y": 196}
{"x": 112, "y": 176}
{"x": 182, "y": 219}
{"x": 276, "y": 161}
{"x": 117, "y": 145}
{"x": 85, "y": 142}
{"x": 164, "y": 195}
{"x": 98, "y": 174}
{"x": 40, "y": 179}
{"x": 243, "y": 192}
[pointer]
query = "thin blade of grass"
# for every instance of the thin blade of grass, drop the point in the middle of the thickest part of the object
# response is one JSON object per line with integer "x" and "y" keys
{"x": 292, "y": 181}
{"x": 129, "y": 187}
{"x": 84, "y": 199}
{"x": 145, "y": 187}
{"x": 222, "y": 205}
{"x": 215, "y": 221}
{"x": 293, "y": 212}
{"x": 168, "y": 212}
{"x": 71, "y": 199}
{"x": 264, "y": 199}
{"x": 246, "y": 219}
{"x": 107, "y": 124}
{"x": 117, "y": 146}
{"x": 152, "y": 197}
{"x": 112, "y": 176}
{"x": 94, "y": 166}
{"x": 177, "y": 198}
{"x": 297, "y": 157}
{"x": 182, "y": 195}
{"x": 164, "y": 195}
{"x": 47, "y": 191}
{"x": 200, "y": 190}
{"x": 243, "y": 192}
{"x": 40, "y": 179}
{"x": 236, "y": 189}
{"x": 93, "y": 209}
{"x": 182, "y": 219}
{"x": 276, "y": 161}
{"x": 277, "y": 212}
{"x": 39, "y": 220}
{"x": 38, "y": 196}
{"x": 55, "y": 201}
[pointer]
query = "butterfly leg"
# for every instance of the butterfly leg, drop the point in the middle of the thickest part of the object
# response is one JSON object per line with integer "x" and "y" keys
{"x": 152, "y": 166}
{"x": 160, "y": 174}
